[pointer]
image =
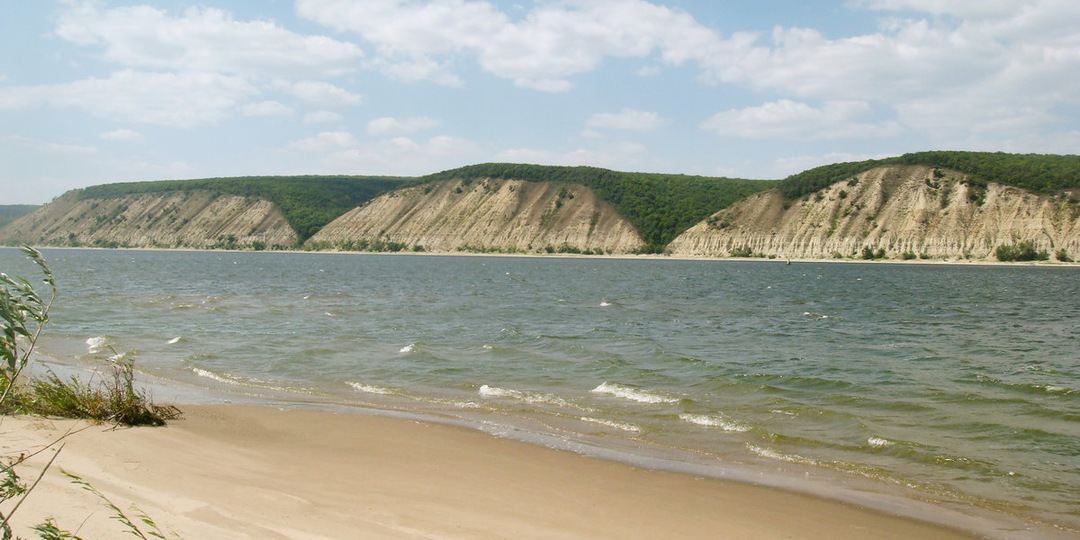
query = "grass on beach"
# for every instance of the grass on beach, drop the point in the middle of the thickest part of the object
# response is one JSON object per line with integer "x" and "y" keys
{"x": 24, "y": 312}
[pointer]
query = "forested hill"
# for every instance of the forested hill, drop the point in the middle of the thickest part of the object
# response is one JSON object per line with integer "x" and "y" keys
{"x": 659, "y": 206}
{"x": 307, "y": 202}
{"x": 1038, "y": 173}
{"x": 11, "y": 212}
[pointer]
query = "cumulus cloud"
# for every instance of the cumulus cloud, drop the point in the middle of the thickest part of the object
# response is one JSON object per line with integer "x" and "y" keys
{"x": 203, "y": 39}
{"x": 627, "y": 119}
{"x": 342, "y": 150}
{"x": 387, "y": 127}
{"x": 322, "y": 93}
{"x": 786, "y": 119}
{"x": 266, "y": 108}
{"x": 554, "y": 41}
{"x": 323, "y": 117}
{"x": 171, "y": 99}
{"x": 122, "y": 135}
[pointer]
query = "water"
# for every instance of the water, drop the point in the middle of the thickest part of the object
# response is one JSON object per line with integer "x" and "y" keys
{"x": 958, "y": 385}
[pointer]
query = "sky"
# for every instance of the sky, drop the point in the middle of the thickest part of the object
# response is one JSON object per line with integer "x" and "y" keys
{"x": 96, "y": 91}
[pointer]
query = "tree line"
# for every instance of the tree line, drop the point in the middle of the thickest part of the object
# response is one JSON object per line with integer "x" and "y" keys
{"x": 1039, "y": 173}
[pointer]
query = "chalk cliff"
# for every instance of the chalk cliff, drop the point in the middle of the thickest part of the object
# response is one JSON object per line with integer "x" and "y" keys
{"x": 174, "y": 219}
{"x": 508, "y": 216}
{"x": 922, "y": 211}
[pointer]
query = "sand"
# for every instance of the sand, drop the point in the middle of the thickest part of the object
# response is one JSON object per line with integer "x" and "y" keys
{"x": 230, "y": 471}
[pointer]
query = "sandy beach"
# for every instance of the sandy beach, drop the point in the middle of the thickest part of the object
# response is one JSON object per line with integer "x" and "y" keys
{"x": 230, "y": 471}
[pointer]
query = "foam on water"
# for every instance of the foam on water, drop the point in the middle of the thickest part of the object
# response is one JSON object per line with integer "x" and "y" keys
{"x": 623, "y": 426}
{"x": 632, "y": 394}
{"x": 99, "y": 344}
{"x": 370, "y": 389}
{"x": 528, "y": 397}
{"x": 714, "y": 420}
{"x": 779, "y": 456}
{"x": 173, "y": 341}
{"x": 408, "y": 348}
{"x": 879, "y": 442}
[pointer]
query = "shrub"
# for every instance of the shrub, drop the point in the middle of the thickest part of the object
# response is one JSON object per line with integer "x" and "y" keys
{"x": 23, "y": 315}
{"x": 1063, "y": 255}
{"x": 743, "y": 251}
{"x": 1024, "y": 251}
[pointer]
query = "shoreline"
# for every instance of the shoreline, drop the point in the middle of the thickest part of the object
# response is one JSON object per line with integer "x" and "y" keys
{"x": 628, "y": 257}
{"x": 238, "y": 471}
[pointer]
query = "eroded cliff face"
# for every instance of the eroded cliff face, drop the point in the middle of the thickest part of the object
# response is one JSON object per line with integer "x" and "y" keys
{"x": 178, "y": 219}
{"x": 507, "y": 216}
{"x": 920, "y": 211}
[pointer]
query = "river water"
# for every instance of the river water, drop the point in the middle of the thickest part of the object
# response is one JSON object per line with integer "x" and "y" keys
{"x": 958, "y": 385}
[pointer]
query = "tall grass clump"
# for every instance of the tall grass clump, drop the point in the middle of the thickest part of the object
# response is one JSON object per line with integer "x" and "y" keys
{"x": 23, "y": 315}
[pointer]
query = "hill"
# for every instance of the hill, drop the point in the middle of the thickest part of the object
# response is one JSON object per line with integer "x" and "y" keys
{"x": 307, "y": 202}
{"x": 11, "y": 212}
{"x": 892, "y": 211}
{"x": 659, "y": 206}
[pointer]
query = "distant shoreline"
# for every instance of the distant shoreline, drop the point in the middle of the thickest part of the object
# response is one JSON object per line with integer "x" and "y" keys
{"x": 632, "y": 257}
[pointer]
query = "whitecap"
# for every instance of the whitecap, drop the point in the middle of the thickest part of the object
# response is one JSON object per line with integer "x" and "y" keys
{"x": 99, "y": 344}
{"x": 408, "y": 348}
{"x": 605, "y": 303}
{"x": 535, "y": 398}
{"x": 631, "y": 393}
{"x": 714, "y": 421}
{"x": 214, "y": 376}
{"x": 174, "y": 341}
{"x": 779, "y": 456}
{"x": 370, "y": 389}
{"x": 624, "y": 426}
{"x": 879, "y": 442}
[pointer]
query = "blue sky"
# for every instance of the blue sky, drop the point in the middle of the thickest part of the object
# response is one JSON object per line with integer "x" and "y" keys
{"x": 94, "y": 92}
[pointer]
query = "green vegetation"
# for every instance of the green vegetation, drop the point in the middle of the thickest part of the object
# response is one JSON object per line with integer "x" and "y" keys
{"x": 11, "y": 212}
{"x": 1024, "y": 251}
{"x": 307, "y": 202}
{"x": 23, "y": 315}
{"x": 1040, "y": 173}
{"x": 659, "y": 206}
{"x": 869, "y": 254}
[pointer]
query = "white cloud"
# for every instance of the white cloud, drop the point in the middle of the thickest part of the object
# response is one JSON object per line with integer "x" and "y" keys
{"x": 322, "y": 93}
{"x": 327, "y": 141}
{"x": 51, "y": 147}
{"x": 340, "y": 150}
{"x": 203, "y": 39}
{"x": 627, "y": 119}
{"x": 171, "y": 99}
{"x": 386, "y": 127}
{"x": 323, "y": 117}
{"x": 266, "y": 108}
{"x": 550, "y": 43}
{"x": 122, "y": 135}
{"x": 785, "y": 119}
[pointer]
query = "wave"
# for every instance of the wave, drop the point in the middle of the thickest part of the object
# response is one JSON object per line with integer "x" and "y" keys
{"x": 408, "y": 348}
{"x": 370, "y": 389}
{"x": 631, "y": 393}
{"x": 173, "y": 341}
{"x": 879, "y": 442}
{"x": 780, "y": 456}
{"x": 535, "y": 398}
{"x": 100, "y": 344}
{"x": 714, "y": 420}
{"x": 624, "y": 426}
